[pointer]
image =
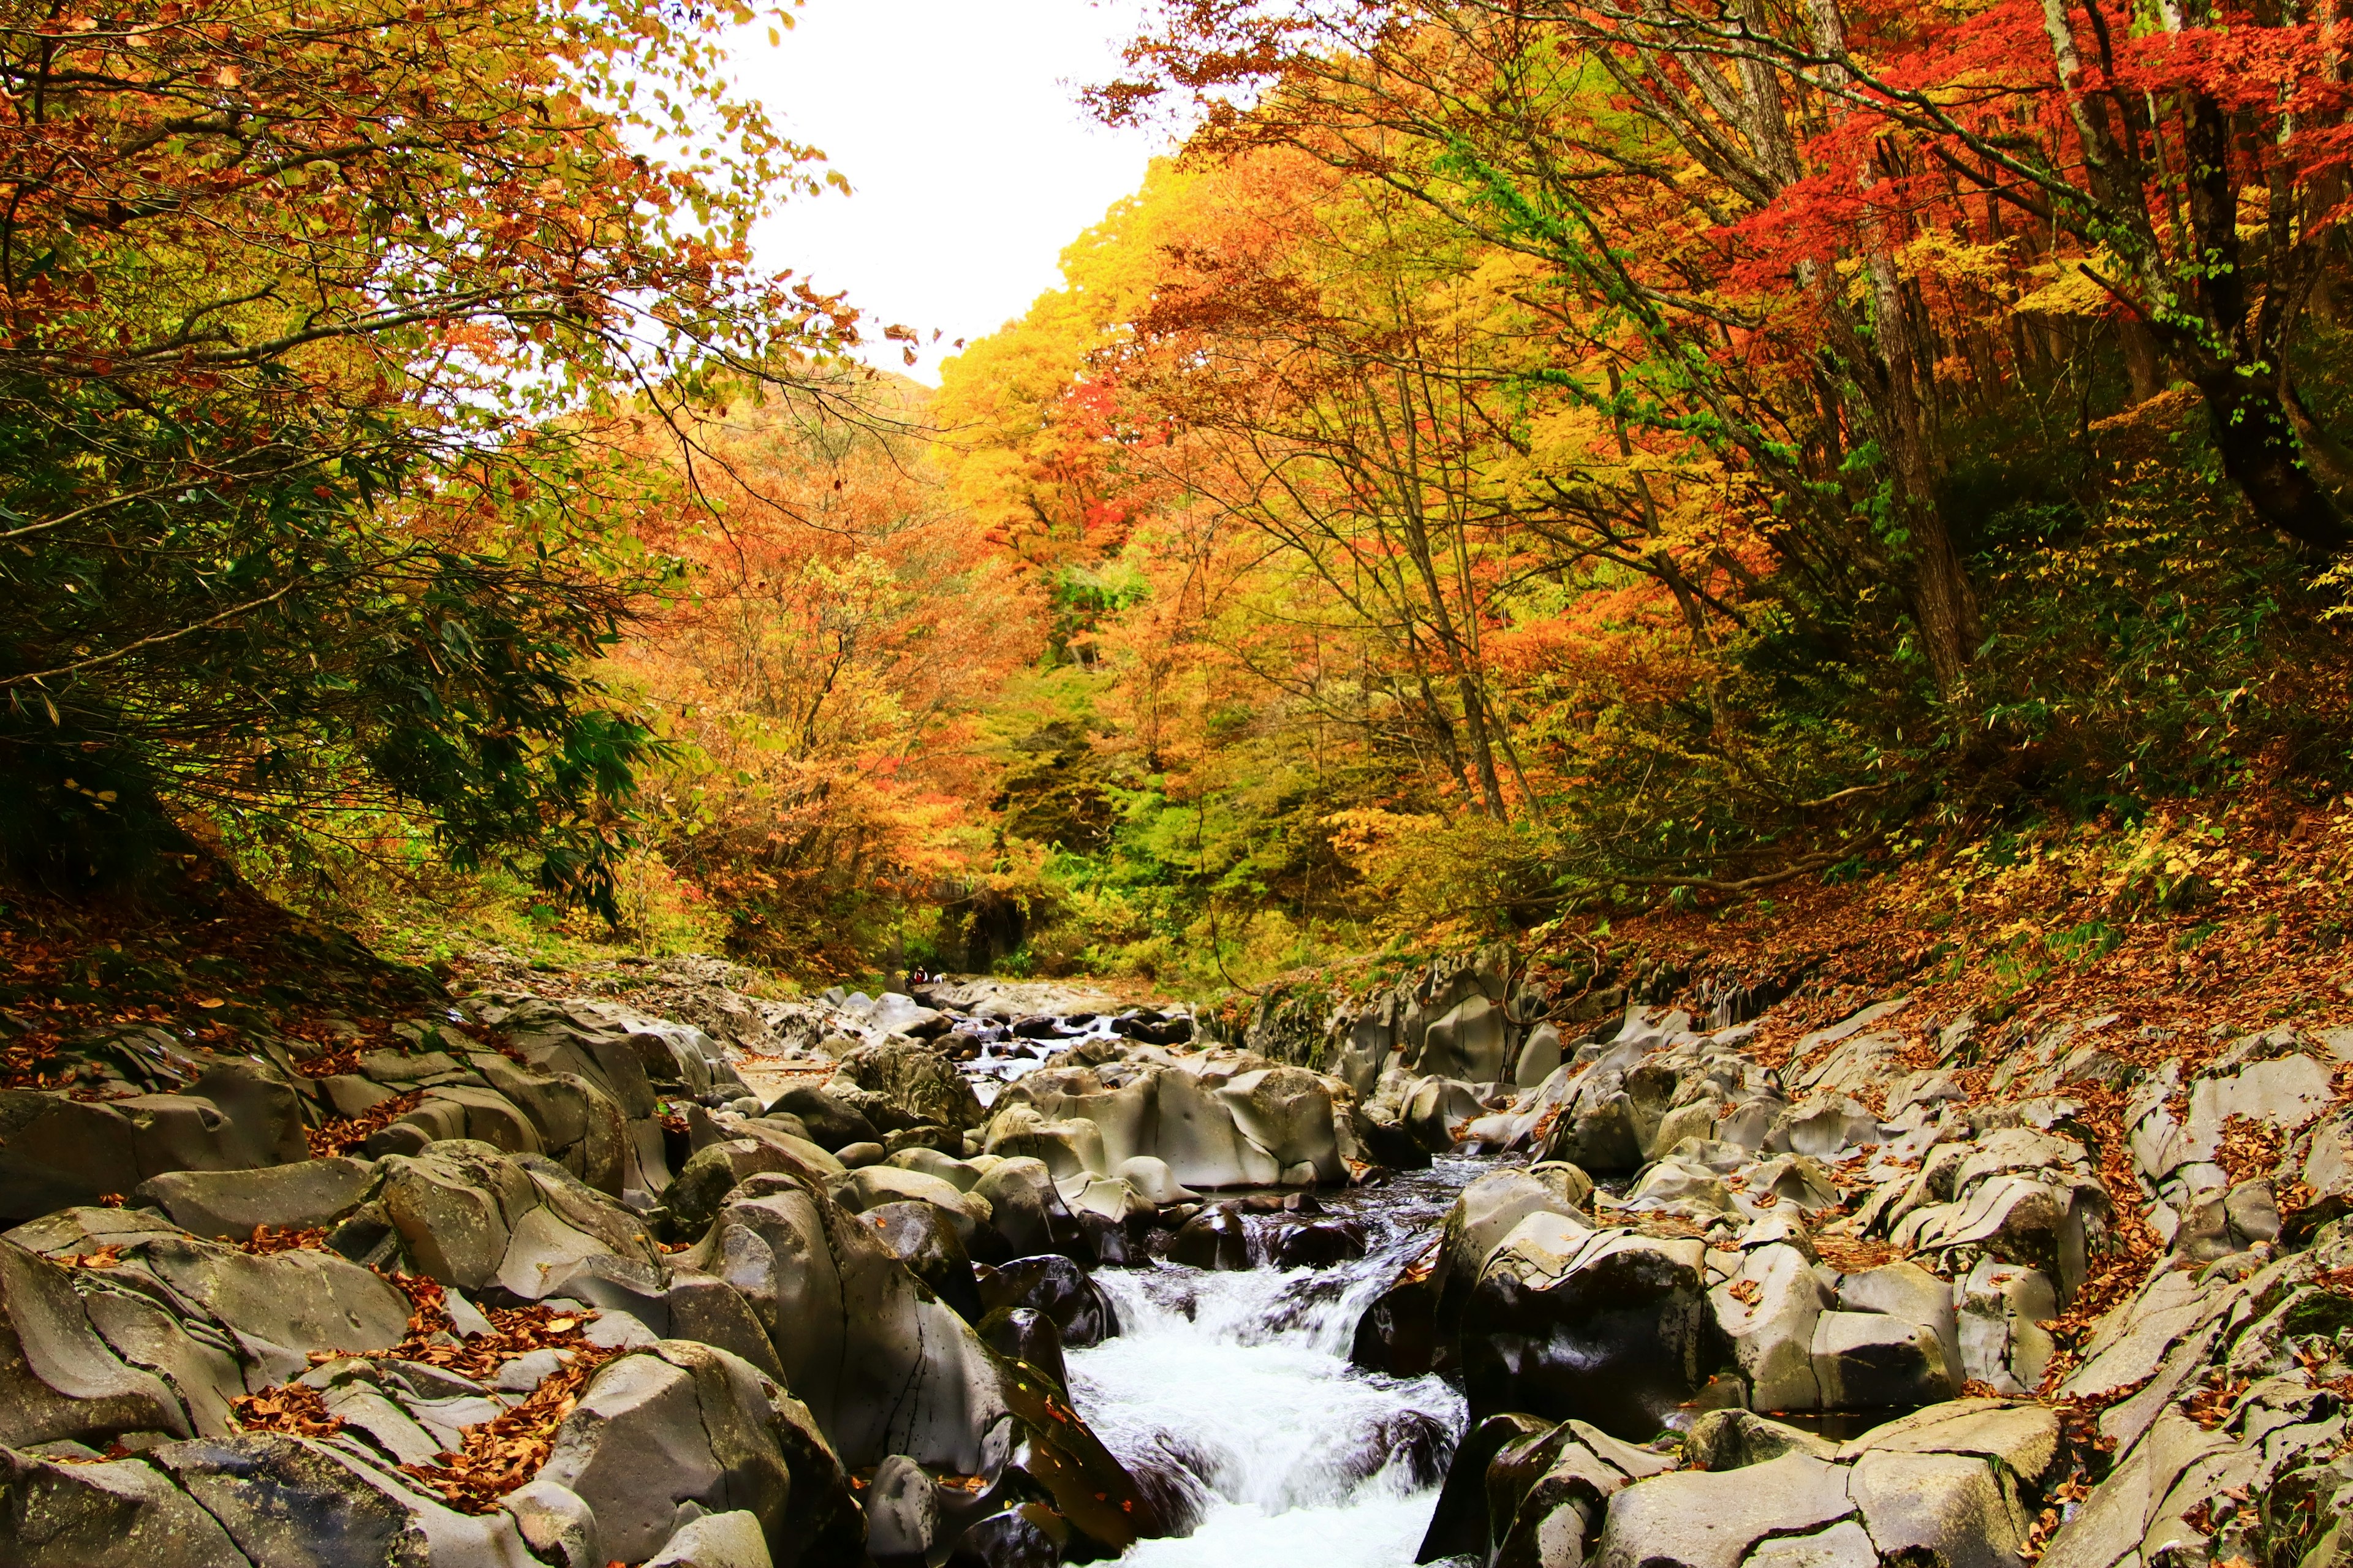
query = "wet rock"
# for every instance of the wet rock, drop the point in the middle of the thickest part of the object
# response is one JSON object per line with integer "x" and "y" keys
{"x": 919, "y": 1236}
{"x": 1546, "y": 1497}
{"x": 1031, "y": 1535}
{"x": 1026, "y": 1335}
{"x": 1605, "y": 1327}
{"x": 59, "y": 1378}
{"x": 230, "y": 1204}
{"x": 1060, "y": 1289}
{"x": 1320, "y": 1244}
{"x": 1215, "y": 1238}
{"x": 1397, "y": 1335}
{"x": 1459, "y": 1522}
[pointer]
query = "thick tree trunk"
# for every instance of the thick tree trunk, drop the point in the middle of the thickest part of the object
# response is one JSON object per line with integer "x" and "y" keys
{"x": 2262, "y": 455}
{"x": 2144, "y": 362}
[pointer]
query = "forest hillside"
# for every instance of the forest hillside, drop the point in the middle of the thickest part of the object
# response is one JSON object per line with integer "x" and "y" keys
{"x": 1823, "y": 480}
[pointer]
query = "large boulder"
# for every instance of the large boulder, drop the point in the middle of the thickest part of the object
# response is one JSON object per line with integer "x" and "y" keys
{"x": 883, "y": 1367}
{"x": 230, "y": 1204}
{"x": 1607, "y": 1327}
{"x": 688, "y": 1424}
{"x": 830, "y": 1121}
{"x": 1287, "y": 1111}
{"x": 900, "y": 1083}
{"x": 1713, "y": 1519}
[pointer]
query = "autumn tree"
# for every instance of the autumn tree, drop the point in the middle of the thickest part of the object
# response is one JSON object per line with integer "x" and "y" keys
{"x": 317, "y": 321}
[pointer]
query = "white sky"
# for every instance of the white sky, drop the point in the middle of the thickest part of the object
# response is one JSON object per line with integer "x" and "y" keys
{"x": 957, "y": 125}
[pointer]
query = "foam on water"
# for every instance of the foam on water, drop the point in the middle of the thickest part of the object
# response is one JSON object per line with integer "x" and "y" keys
{"x": 1239, "y": 1384}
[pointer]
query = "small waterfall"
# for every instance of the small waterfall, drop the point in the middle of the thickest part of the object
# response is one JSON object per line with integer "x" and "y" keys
{"x": 1234, "y": 1391}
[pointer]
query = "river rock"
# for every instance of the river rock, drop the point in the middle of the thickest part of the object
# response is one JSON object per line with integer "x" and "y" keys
{"x": 1060, "y": 1289}
{"x": 732, "y": 1540}
{"x": 1026, "y": 1209}
{"x": 1607, "y": 1327}
{"x": 1215, "y": 1238}
{"x": 920, "y": 1237}
{"x": 882, "y": 1366}
{"x": 123, "y": 1514}
{"x": 59, "y": 1378}
{"x": 309, "y": 1504}
{"x": 828, "y": 1121}
{"x": 900, "y": 1083}
{"x": 1712, "y": 1520}
{"x": 682, "y": 1423}
{"x": 230, "y": 1204}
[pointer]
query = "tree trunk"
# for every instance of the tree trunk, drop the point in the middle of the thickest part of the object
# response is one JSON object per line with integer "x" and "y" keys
{"x": 2144, "y": 363}
{"x": 2262, "y": 455}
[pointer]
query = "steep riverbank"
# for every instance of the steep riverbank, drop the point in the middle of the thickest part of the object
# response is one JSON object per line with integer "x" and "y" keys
{"x": 945, "y": 1278}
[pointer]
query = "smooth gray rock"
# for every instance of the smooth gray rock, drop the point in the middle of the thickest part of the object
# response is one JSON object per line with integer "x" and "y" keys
{"x": 880, "y": 1367}
{"x": 1864, "y": 1361}
{"x": 903, "y": 1514}
{"x": 1909, "y": 1293}
{"x": 290, "y": 1502}
{"x": 1941, "y": 1508}
{"x": 730, "y": 1539}
{"x": 1734, "y": 1439}
{"x": 1711, "y": 1520}
{"x": 227, "y": 1204}
{"x": 1772, "y": 1332}
{"x": 303, "y": 1300}
{"x": 556, "y": 1523}
{"x": 1845, "y": 1544}
{"x": 683, "y": 1423}
{"x": 56, "y": 1152}
{"x": 58, "y": 1378}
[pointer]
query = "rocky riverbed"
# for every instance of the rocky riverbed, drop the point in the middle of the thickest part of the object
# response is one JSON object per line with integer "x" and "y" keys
{"x": 1006, "y": 1277}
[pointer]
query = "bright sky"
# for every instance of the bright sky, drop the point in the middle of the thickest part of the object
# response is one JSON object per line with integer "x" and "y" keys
{"x": 957, "y": 125}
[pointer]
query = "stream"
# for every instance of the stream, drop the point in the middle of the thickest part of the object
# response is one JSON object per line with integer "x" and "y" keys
{"x": 1235, "y": 1388}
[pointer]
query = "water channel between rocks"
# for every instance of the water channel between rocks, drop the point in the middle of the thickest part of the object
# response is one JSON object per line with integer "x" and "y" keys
{"x": 1237, "y": 1386}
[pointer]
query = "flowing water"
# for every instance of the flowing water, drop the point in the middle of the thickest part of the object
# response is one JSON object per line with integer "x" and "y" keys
{"x": 1235, "y": 1388}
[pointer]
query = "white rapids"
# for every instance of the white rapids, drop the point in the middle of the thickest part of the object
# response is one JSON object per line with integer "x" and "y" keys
{"x": 1237, "y": 1388}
